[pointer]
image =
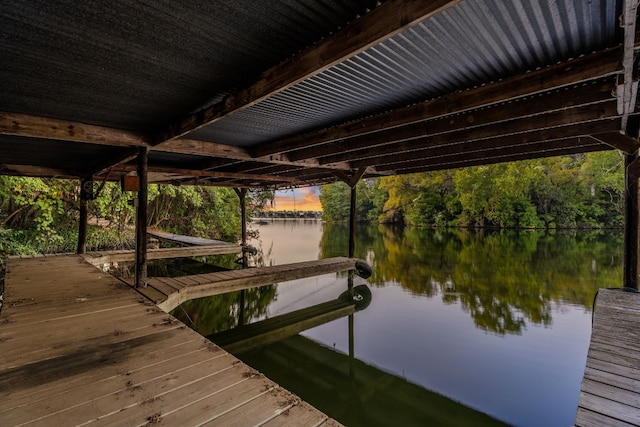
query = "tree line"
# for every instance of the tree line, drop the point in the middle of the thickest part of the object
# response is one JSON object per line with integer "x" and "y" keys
{"x": 41, "y": 215}
{"x": 580, "y": 191}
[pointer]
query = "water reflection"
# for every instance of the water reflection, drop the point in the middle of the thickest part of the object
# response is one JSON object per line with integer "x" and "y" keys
{"x": 502, "y": 279}
{"x": 496, "y": 320}
{"x": 356, "y": 393}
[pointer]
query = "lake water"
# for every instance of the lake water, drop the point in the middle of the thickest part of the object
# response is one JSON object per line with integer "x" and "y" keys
{"x": 498, "y": 321}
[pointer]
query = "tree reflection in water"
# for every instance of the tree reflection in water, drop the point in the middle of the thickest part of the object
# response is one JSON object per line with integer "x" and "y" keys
{"x": 503, "y": 279}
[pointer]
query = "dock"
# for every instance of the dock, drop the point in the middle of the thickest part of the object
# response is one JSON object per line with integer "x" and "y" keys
{"x": 183, "y": 240}
{"x": 78, "y": 346}
{"x": 610, "y": 392}
{"x": 169, "y": 292}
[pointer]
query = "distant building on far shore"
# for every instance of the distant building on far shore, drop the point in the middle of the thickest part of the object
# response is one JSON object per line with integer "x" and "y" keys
{"x": 288, "y": 214}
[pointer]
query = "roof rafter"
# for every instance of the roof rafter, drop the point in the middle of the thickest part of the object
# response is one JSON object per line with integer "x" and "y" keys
{"x": 589, "y": 67}
{"x": 555, "y": 101}
{"x": 24, "y": 125}
{"x": 550, "y": 138}
{"x": 416, "y": 147}
{"x": 376, "y": 26}
{"x": 576, "y": 145}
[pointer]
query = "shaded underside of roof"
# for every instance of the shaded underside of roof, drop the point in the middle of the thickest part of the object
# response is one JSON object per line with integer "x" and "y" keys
{"x": 291, "y": 93}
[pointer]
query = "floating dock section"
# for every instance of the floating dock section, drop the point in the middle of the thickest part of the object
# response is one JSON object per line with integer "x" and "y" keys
{"x": 610, "y": 392}
{"x": 78, "y": 346}
{"x": 169, "y": 292}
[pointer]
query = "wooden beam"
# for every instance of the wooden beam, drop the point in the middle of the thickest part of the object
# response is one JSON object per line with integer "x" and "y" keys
{"x": 580, "y": 145}
{"x": 494, "y": 146}
{"x": 42, "y": 127}
{"x": 619, "y": 141}
{"x": 85, "y": 195}
{"x": 235, "y": 280}
{"x": 557, "y": 101}
{"x": 352, "y": 178}
{"x": 376, "y": 26}
{"x": 631, "y": 222}
{"x": 628, "y": 87}
{"x": 217, "y": 150}
{"x": 103, "y": 257}
{"x": 213, "y": 174}
{"x": 141, "y": 220}
{"x": 37, "y": 171}
{"x": 124, "y": 157}
{"x": 583, "y": 69}
{"x": 412, "y": 149}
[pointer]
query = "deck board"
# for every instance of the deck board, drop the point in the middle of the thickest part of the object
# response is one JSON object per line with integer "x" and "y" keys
{"x": 234, "y": 280}
{"x": 78, "y": 346}
{"x": 610, "y": 392}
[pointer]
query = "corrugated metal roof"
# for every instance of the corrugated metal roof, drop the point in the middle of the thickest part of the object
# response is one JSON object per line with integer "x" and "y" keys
{"x": 470, "y": 44}
{"x": 138, "y": 65}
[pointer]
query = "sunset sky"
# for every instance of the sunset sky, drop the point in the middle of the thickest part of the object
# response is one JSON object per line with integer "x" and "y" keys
{"x": 299, "y": 199}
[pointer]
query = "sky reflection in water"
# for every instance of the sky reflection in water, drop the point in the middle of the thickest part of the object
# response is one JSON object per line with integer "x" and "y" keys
{"x": 498, "y": 321}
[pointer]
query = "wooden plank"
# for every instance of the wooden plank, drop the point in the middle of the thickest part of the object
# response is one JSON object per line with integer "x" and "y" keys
{"x": 188, "y": 240}
{"x": 301, "y": 414}
{"x": 118, "y": 365}
{"x": 199, "y": 173}
{"x": 106, "y": 401}
{"x": 417, "y": 147}
{"x": 100, "y": 258}
{"x": 47, "y": 128}
{"x": 524, "y": 108}
{"x": 215, "y": 283}
{"x": 610, "y": 391}
{"x": 615, "y": 410}
{"x": 585, "y": 68}
{"x": 614, "y": 380}
{"x": 619, "y": 141}
{"x": 588, "y": 418}
{"x": 173, "y": 346}
{"x": 246, "y": 338}
{"x": 380, "y": 24}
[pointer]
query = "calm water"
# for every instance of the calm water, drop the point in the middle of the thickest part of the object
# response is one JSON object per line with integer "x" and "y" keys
{"x": 498, "y": 321}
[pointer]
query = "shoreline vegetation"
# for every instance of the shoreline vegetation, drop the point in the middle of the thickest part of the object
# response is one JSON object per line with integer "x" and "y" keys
{"x": 581, "y": 192}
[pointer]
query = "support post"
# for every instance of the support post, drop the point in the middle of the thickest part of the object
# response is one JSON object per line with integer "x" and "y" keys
{"x": 352, "y": 223}
{"x": 85, "y": 195}
{"x": 631, "y": 217}
{"x": 141, "y": 219}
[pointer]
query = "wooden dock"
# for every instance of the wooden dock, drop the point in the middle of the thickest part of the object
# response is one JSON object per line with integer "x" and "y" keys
{"x": 78, "y": 346}
{"x": 183, "y": 240}
{"x": 610, "y": 393}
{"x": 169, "y": 292}
{"x": 105, "y": 257}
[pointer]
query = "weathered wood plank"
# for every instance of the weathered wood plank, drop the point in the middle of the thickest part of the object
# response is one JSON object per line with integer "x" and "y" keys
{"x": 610, "y": 391}
{"x": 610, "y": 408}
{"x": 112, "y": 361}
{"x": 100, "y": 258}
{"x": 219, "y": 283}
{"x": 587, "y": 418}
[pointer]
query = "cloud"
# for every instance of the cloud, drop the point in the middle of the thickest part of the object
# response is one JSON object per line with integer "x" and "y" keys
{"x": 299, "y": 199}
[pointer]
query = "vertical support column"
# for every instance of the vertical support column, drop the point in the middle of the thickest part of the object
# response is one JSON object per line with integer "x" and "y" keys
{"x": 242, "y": 195}
{"x": 85, "y": 195}
{"x": 352, "y": 223}
{"x": 631, "y": 217}
{"x": 141, "y": 219}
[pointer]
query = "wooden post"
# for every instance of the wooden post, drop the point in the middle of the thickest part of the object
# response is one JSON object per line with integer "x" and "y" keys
{"x": 352, "y": 223}
{"x": 631, "y": 217}
{"x": 85, "y": 195}
{"x": 141, "y": 220}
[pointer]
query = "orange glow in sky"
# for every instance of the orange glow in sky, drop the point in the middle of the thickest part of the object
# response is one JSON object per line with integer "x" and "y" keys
{"x": 299, "y": 199}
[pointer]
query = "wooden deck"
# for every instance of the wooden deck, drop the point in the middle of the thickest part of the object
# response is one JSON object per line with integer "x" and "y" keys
{"x": 104, "y": 257}
{"x": 79, "y": 347}
{"x": 169, "y": 292}
{"x": 183, "y": 240}
{"x": 610, "y": 394}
